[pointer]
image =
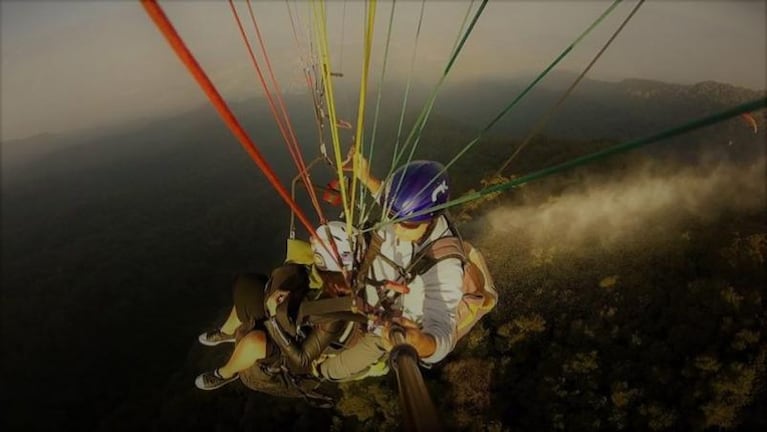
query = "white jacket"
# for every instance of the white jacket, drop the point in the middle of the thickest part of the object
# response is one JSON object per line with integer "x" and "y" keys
{"x": 433, "y": 297}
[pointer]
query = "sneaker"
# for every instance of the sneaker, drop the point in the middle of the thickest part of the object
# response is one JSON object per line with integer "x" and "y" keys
{"x": 318, "y": 400}
{"x": 213, "y": 380}
{"x": 215, "y": 337}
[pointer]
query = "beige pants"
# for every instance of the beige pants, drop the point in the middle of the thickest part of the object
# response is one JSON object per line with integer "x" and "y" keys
{"x": 354, "y": 362}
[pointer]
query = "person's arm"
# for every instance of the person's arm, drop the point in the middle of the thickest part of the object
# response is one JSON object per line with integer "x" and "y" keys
{"x": 424, "y": 343}
{"x": 365, "y": 177}
{"x": 443, "y": 289}
{"x": 300, "y": 357}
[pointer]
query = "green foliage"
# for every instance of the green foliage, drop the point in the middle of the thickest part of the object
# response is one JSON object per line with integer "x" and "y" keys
{"x": 521, "y": 328}
{"x": 470, "y": 393}
{"x": 372, "y": 402}
{"x": 658, "y": 417}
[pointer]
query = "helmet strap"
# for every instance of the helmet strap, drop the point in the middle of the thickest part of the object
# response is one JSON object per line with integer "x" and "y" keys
{"x": 429, "y": 230}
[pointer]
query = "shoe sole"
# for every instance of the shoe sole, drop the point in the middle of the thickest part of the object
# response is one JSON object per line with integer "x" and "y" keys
{"x": 199, "y": 385}
{"x": 206, "y": 342}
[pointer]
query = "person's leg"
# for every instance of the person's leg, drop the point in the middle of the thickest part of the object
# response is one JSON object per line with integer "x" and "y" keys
{"x": 248, "y": 295}
{"x": 251, "y": 348}
{"x": 249, "y": 298}
{"x": 231, "y": 323}
{"x": 355, "y": 361}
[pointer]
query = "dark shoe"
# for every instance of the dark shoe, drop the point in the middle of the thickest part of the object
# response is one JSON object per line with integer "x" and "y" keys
{"x": 318, "y": 400}
{"x": 213, "y": 380}
{"x": 215, "y": 337}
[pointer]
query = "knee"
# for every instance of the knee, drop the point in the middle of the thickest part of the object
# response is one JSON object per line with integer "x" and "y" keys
{"x": 254, "y": 343}
{"x": 255, "y": 339}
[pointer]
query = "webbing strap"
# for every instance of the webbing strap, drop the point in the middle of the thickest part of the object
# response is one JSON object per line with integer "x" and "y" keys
{"x": 374, "y": 249}
{"x": 330, "y": 309}
{"x": 438, "y": 250}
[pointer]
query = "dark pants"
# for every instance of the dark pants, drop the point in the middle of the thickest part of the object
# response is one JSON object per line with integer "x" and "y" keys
{"x": 248, "y": 293}
{"x": 249, "y": 299}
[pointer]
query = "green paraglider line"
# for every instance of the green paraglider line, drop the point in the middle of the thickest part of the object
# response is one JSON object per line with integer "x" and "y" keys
{"x": 415, "y": 134}
{"x": 527, "y": 89}
{"x": 363, "y": 210}
{"x": 546, "y": 117}
{"x": 423, "y": 117}
{"x": 594, "y": 157}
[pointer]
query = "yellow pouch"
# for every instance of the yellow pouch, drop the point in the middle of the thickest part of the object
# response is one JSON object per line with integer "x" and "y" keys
{"x": 300, "y": 252}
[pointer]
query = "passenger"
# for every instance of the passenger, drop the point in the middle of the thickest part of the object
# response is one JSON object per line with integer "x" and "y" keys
{"x": 262, "y": 321}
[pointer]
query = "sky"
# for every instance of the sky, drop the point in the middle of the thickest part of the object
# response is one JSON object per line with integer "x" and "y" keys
{"x": 73, "y": 65}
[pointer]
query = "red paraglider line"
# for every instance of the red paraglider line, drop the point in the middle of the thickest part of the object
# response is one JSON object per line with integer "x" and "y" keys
{"x": 303, "y": 171}
{"x": 283, "y": 123}
{"x": 157, "y": 15}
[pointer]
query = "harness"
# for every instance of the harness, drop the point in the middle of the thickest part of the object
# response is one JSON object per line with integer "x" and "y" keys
{"x": 437, "y": 250}
{"x": 355, "y": 307}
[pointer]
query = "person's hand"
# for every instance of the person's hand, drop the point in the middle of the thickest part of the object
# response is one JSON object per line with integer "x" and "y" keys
{"x": 274, "y": 300}
{"x": 363, "y": 166}
{"x": 423, "y": 343}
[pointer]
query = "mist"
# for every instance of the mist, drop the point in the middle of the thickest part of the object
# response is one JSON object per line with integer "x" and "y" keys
{"x": 641, "y": 207}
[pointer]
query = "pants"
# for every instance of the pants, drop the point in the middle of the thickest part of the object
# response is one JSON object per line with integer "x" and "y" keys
{"x": 248, "y": 294}
{"x": 354, "y": 362}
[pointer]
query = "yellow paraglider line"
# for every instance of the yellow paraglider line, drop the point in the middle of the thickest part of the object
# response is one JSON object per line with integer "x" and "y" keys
{"x": 369, "y": 27}
{"x": 320, "y": 20}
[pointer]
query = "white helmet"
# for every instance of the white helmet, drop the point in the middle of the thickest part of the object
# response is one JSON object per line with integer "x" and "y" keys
{"x": 345, "y": 243}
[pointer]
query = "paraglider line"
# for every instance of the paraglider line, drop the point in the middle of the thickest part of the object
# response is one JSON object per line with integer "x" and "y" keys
{"x": 296, "y": 148}
{"x": 524, "y": 92}
{"x": 363, "y": 213}
{"x": 162, "y": 22}
{"x": 283, "y": 123}
{"x": 593, "y": 157}
{"x": 546, "y": 117}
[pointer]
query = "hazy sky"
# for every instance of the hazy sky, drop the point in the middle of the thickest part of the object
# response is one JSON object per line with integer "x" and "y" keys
{"x": 71, "y": 65}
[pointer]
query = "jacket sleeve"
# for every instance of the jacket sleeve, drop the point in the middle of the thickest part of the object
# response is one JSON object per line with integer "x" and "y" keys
{"x": 300, "y": 358}
{"x": 443, "y": 288}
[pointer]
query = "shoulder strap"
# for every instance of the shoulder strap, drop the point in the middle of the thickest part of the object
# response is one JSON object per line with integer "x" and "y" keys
{"x": 434, "y": 252}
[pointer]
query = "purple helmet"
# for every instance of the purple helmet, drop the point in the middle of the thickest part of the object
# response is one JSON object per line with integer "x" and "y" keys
{"x": 417, "y": 186}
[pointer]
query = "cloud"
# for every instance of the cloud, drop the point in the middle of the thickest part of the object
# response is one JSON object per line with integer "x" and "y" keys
{"x": 654, "y": 200}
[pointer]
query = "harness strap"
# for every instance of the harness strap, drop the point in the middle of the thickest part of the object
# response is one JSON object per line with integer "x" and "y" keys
{"x": 331, "y": 309}
{"x": 374, "y": 249}
{"x": 438, "y": 250}
{"x": 431, "y": 254}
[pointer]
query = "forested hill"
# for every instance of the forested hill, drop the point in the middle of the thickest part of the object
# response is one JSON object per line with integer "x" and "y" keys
{"x": 596, "y": 109}
{"x": 119, "y": 247}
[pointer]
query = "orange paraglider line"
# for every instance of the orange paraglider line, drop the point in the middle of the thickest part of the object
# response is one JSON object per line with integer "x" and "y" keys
{"x": 162, "y": 22}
